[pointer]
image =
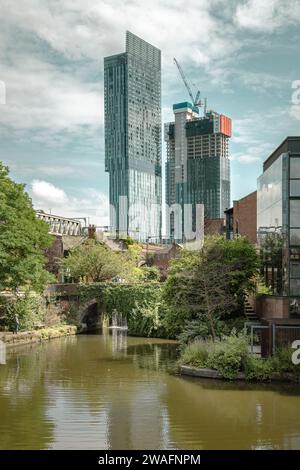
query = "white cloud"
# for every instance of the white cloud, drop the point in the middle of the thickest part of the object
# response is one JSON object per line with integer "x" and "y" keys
{"x": 51, "y": 60}
{"x": 295, "y": 111}
{"x": 48, "y": 47}
{"x": 91, "y": 203}
{"x": 247, "y": 158}
{"x": 46, "y": 192}
{"x": 267, "y": 15}
{"x": 253, "y": 153}
{"x": 41, "y": 97}
{"x": 89, "y": 28}
{"x": 254, "y": 145}
{"x": 51, "y": 52}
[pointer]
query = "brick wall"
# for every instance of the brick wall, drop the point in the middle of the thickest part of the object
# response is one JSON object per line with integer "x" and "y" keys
{"x": 245, "y": 217}
{"x": 214, "y": 227}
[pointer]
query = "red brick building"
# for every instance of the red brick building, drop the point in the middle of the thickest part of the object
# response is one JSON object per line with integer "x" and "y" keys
{"x": 241, "y": 219}
{"x": 214, "y": 226}
{"x": 159, "y": 256}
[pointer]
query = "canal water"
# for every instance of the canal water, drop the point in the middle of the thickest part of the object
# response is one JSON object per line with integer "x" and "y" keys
{"x": 110, "y": 391}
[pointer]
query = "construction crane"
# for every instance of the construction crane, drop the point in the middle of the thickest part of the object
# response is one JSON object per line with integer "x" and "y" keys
{"x": 195, "y": 101}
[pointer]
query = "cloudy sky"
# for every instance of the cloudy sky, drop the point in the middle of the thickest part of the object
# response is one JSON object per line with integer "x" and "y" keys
{"x": 243, "y": 55}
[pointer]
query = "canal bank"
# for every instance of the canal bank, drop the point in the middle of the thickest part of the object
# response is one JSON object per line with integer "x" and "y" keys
{"x": 37, "y": 336}
{"x": 205, "y": 373}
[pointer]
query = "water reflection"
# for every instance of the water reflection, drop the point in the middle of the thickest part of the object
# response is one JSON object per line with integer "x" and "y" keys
{"x": 118, "y": 339}
{"x": 116, "y": 392}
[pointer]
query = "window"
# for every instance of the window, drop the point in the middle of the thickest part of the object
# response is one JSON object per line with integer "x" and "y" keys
{"x": 295, "y": 269}
{"x": 294, "y": 167}
{"x": 295, "y": 287}
{"x": 295, "y": 188}
{"x": 295, "y": 212}
{"x": 295, "y": 236}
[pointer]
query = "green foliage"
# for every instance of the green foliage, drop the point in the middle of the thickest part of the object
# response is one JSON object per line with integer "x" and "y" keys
{"x": 128, "y": 241}
{"x": 194, "y": 330}
{"x": 283, "y": 365}
{"x": 173, "y": 321}
{"x": 124, "y": 298}
{"x": 271, "y": 258}
{"x": 140, "y": 304}
{"x": 56, "y": 332}
{"x": 30, "y": 310}
{"x": 228, "y": 356}
{"x": 91, "y": 291}
{"x": 23, "y": 238}
{"x": 145, "y": 320}
{"x": 196, "y": 353}
{"x": 257, "y": 368}
{"x": 279, "y": 365}
{"x": 271, "y": 250}
{"x": 150, "y": 273}
{"x": 231, "y": 355}
{"x": 261, "y": 288}
{"x": 199, "y": 329}
{"x": 210, "y": 284}
{"x": 94, "y": 262}
{"x": 243, "y": 262}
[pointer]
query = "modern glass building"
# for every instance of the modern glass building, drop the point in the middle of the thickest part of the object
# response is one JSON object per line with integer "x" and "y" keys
{"x": 132, "y": 101}
{"x": 198, "y": 166}
{"x": 278, "y": 222}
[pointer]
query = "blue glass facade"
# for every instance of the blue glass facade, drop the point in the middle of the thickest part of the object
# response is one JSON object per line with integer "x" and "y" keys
{"x": 132, "y": 97}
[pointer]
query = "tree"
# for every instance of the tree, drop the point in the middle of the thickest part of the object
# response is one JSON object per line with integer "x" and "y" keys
{"x": 271, "y": 254}
{"x": 92, "y": 261}
{"x": 95, "y": 262}
{"x": 243, "y": 261}
{"x": 23, "y": 238}
{"x": 150, "y": 273}
{"x": 209, "y": 284}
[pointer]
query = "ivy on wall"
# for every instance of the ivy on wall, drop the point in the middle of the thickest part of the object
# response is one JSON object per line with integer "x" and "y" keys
{"x": 139, "y": 304}
{"x": 143, "y": 306}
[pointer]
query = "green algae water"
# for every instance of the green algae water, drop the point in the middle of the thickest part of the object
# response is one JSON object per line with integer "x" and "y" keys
{"x": 110, "y": 391}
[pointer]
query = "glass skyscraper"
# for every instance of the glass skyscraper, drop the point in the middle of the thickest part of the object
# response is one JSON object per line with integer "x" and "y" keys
{"x": 132, "y": 102}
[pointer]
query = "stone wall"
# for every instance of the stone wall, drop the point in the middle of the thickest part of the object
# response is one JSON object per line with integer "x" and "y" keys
{"x": 44, "y": 334}
{"x": 65, "y": 303}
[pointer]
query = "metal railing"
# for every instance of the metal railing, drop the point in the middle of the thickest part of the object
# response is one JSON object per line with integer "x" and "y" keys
{"x": 278, "y": 336}
{"x": 255, "y": 333}
{"x": 288, "y": 334}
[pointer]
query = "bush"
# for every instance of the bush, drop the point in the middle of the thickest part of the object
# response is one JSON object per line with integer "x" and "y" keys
{"x": 150, "y": 273}
{"x": 196, "y": 354}
{"x": 141, "y": 305}
{"x": 144, "y": 320}
{"x": 199, "y": 329}
{"x": 30, "y": 310}
{"x": 231, "y": 355}
{"x": 257, "y": 368}
{"x": 194, "y": 330}
{"x": 228, "y": 356}
{"x": 283, "y": 365}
